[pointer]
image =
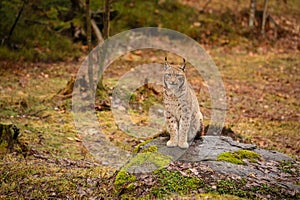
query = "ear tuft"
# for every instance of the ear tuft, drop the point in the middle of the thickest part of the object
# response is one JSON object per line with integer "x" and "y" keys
{"x": 166, "y": 65}
{"x": 183, "y": 65}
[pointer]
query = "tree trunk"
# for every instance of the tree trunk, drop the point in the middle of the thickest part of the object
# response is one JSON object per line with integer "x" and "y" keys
{"x": 252, "y": 13}
{"x": 89, "y": 42}
{"x": 106, "y": 19}
{"x": 264, "y": 17}
{"x": 105, "y": 35}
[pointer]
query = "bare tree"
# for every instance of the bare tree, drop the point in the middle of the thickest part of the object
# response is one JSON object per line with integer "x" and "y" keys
{"x": 264, "y": 17}
{"x": 106, "y": 19}
{"x": 106, "y": 24}
{"x": 97, "y": 31}
{"x": 252, "y": 13}
{"x": 89, "y": 42}
{"x": 90, "y": 22}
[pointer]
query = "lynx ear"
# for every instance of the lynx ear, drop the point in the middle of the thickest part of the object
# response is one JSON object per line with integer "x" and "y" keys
{"x": 183, "y": 65}
{"x": 166, "y": 65}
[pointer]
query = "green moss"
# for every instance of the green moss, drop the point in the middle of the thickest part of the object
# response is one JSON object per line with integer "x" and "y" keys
{"x": 238, "y": 156}
{"x": 246, "y": 154}
{"x": 150, "y": 149}
{"x": 229, "y": 157}
{"x": 138, "y": 147}
{"x": 174, "y": 182}
{"x": 126, "y": 179}
{"x": 148, "y": 158}
{"x": 232, "y": 187}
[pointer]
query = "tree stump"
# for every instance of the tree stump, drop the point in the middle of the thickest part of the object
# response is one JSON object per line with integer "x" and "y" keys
{"x": 9, "y": 134}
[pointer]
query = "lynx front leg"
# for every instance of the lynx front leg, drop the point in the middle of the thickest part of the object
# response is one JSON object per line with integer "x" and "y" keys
{"x": 183, "y": 132}
{"x": 172, "y": 126}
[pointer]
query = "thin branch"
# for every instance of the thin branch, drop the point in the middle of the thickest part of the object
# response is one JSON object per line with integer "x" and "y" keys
{"x": 97, "y": 32}
{"x": 15, "y": 22}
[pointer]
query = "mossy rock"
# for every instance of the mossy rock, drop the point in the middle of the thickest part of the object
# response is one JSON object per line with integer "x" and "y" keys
{"x": 139, "y": 146}
{"x": 238, "y": 156}
{"x": 147, "y": 161}
{"x": 150, "y": 149}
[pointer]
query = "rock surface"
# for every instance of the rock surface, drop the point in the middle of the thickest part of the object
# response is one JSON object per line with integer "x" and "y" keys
{"x": 204, "y": 152}
{"x": 209, "y": 147}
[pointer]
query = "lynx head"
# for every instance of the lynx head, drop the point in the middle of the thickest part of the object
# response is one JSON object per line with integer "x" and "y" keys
{"x": 174, "y": 78}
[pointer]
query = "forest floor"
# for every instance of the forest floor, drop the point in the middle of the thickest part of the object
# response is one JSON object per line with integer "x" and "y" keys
{"x": 262, "y": 91}
{"x": 262, "y": 108}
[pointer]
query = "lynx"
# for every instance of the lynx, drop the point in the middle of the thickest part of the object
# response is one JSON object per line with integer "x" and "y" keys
{"x": 182, "y": 113}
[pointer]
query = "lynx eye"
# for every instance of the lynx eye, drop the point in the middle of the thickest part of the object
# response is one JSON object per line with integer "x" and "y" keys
{"x": 180, "y": 78}
{"x": 168, "y": 75}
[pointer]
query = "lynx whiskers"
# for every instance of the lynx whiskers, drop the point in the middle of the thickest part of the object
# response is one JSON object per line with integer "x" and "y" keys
{"x": 182, "y": 113}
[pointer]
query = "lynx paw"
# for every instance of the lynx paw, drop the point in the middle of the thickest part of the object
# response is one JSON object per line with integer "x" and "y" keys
{"x": 183, "y": 145}
{"x": 171, "y": 144}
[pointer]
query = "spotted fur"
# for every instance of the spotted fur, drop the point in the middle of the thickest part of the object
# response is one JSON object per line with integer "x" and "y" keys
{"x": 182, "y": 113}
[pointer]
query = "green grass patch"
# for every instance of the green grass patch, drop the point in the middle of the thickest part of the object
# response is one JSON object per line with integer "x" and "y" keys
{"x": 176, "y": 16}
{"x": 20, "y": 178}
{"x": 281, "y": 136}
{"x": 232, "y": 187}
{"x": 174, "y": 182}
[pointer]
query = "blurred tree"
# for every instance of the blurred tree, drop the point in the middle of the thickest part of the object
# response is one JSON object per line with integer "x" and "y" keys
{"x": 106, "y": 19}
{"x": 89, "y": 42}
{"x": 106, "y": 23}
{"x": 76, "y": 5}
{"x": 252, "y": 13}
{"x": 264, "y": 17}
{"x": 88, "y": 25}
{"x": 6, "y": 39}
